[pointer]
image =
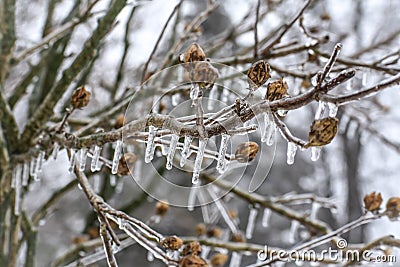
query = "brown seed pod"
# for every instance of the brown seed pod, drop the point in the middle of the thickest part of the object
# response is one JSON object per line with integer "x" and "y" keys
{"x": 214, "y": 231}
{"x": 277, "y": 90}
{"x": 238, "y": 237}
{"x": 258, "y": 74}
{"x": 393, "y": 207}
{"x": 201, "y": 229}
{"x": 192, "y": 248}
{"x": 322, "y": 132}
{"x": 218, "y": 259}
{"x": 246, "y": 152}
{"x": 126, "y": 162}
{"x": 373, "y": 201}
{"x": 120, "y": 121}
{"x": 162, "y": 208}
{"x": 204, "y": 74}
{"x": 194, "y": 53}
{"x": 192, "y": 261}
{"x": 172, "y": 242}
{"x": 80, "y": 97}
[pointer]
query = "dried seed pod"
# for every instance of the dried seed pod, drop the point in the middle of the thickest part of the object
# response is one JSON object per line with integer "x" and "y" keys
{"x": 162, "y": 208}
{"x": 192, "y": 261}
{"x": 246, "y": 152}
{"x": 172, "y": 242}
{"x": 277, "y": 90}
{"x": 322, "y": 132}
{"x": 192, "y": 248}
{"x": 233, "y": 214}
{"x": 80, "y": 97}
{"x": 204, "y": 74}
{"x": 214, "y": 231}
{"x": 258, "y": 74}
{"x": 201, "y": 229}
{"x": 126, "y": 162}
{"x": 393, "y": 207}
{"x": 238, "y": 237}
{"x": 120, "y": 121}
{"x": 218, "y": 259}
{"x": 194, "y": 53}
{"x": 373, "y": 201}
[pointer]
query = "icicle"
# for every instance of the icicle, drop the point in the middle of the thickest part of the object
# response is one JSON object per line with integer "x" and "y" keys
{"x": 333, "y": 108}
{"x": 223, "y": 210}
{"x": 320, "y": 110}
{"x": 251, "y": 222}
{"x": 205, "y": 209}
{"x": 82, "y": 159}
{"x": 266, "y": 217}
{"x": 314, "y": 210}
{"x": 199, "y": 160}
{"x": 269, "y": 132}
{"x": 117, "y": 156}
{"x": 32, "y": 168}
{"x": 56, "y": 149}
{"x": 349, "y": 85}
{"x": 150, "y": 146}
{"x": 164, "y": 149}
{"x": 224, "y": 95}
{"x": 185, "y": 150}
{"x": 113, "y": 180}
{"x": 95, "y": 158}
{"x": 175, "y": 99}
{"x": 72, "y": 161}
{"x": 13, "y": 178}
{"x": 235, "y": 259}
{"x": 150, "y": 256}
{"x": 96, "y": 183}
{"x": 351, "y": 130}
{"x": 315, "y": 153}
{"x": 38, "y": 165}
{"x": 171, "y": 151}
{"x": 314, "y": 80}
{"x": 194, "y": 91}
{"x": 291, "y": 152}
{"x": 221, "y": 162}
{"x": 17, "y": 185}
{"x": 213, "y": 98}
{"x": 25, "y": 174}
{"x": 192, "y": 197}
{"x": 294, "y": 226}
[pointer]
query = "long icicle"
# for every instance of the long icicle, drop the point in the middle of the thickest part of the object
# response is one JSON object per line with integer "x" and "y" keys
{"x": 117, "y": 156}
{"x": 291, "y": 152}
{"x": 185, "y": 150}
{"x": 251, "y": 222}
{"x": 199, "y": 160}
{"x": 150, "y": 146}
{"x": 38, "y": 165}
{"x": 171, "y": 151}
{"x": 95, "y": 158}
{"x": 221, "y": 162}
{"x": 25, "y": 174}
{"x": 82, "y": 158}
{"x": 18, "y": 187}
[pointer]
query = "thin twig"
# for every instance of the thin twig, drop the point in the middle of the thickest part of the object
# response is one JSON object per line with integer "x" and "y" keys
{"x": 256, "y": 30}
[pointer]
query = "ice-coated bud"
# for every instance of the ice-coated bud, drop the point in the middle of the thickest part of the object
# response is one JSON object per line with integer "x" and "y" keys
{"x": 258, "y": 74}
{"x": 277, "y": 90}
{"x": 246, "y": 152}
{"x": 322, "y": 132}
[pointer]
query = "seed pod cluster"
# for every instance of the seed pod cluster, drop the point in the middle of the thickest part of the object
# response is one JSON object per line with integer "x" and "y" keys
{"x": 192, "y": 248}
{"x": 322, "y": 132}
{"x": 277, "y": 90}
{"x": 125, "y": 163}
{"x": 258, "y": 74}
{"x": 246, "y": 152}
{"x": 373, "y": 201}
{"x": 80, "y": 97}
{"x": 172, "y": 242}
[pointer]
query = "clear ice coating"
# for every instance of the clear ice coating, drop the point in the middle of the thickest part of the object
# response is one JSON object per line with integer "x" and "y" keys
{"x": 150, "y": 146}
{"x": 221, "y": 161}
{"x": 333, "y": 109}
{"x": 117, "y": 156}
{"x": 171, "y": 151}
{"x": 266, "y": 217}
{"x": 194, "y": 91}
{"x": 95, "y": 158}
{"x": 320, "y": 110}
{"x": 199, "y": 160}
{"x": 236, "y": 259}
{"x": 82, "y": 159}
{"x": 291, "y": 152}
{"x": 38, "y": 166}
{"x": 315, "y": 153}
{"x": 269, "y": 131}
{"x": 25, "y": 174}
{"x": 185, "y": 150}
{"x": 251, "y": 222}
{"x": 72, "y": 161}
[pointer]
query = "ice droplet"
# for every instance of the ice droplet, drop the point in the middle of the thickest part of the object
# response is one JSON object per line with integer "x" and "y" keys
{"x": 236, "y": 259}
{"x": 113, "y": 180}
{"x": 320, "y": 110}
{"x": 199, "y": 160}
{"x": 221, "y": 162}
{"x": 82, "y": 159}
{"x": 251, "y": 222}
{"x": 95, "y": 158}
{"x": 291, "y": 152}
{"x": 185, "y": 150}
{"x": 171, "y": 151}
{"x": 117, "y": 156}
{"x": 150, "y": 146}
{"x": 266, "y": 217}
{"x": 72, "y": 161}
{"x": 150, "y": 256}
{"x": 294, "y": 226}
{"x": 315, "y": 153}
{"x": 333, "y": 109}
{"x": 25, "y": 174}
